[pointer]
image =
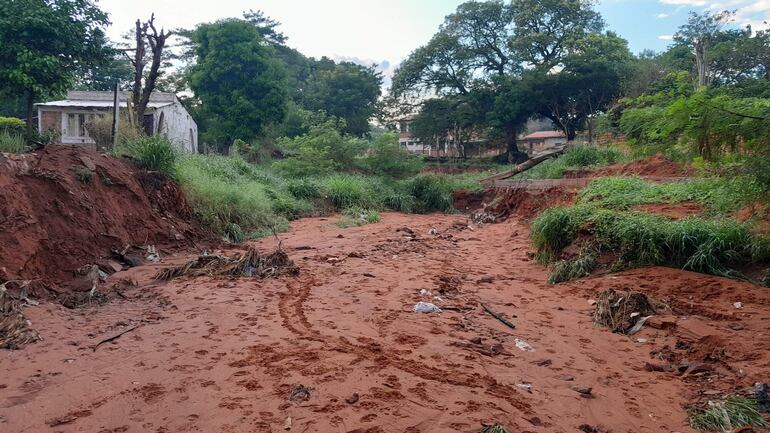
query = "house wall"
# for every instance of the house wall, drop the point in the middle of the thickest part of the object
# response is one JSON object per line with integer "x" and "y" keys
{"x": 178, "y": 126}
{"x": 49, "y": 120}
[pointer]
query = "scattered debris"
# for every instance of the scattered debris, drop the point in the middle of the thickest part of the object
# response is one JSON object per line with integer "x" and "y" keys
{"x": 584, "y": 391}
{"x": 353, "y": 399}
{"x": 638, "y": 325}
{"x": 287, "y": 423}
{"x": 738, "y": 305}
{"x": 115, "y": 337}
{"x": 299, "y": 392}
{"x": 486, "y": 280}
{"x": 152, "y": 254}
{"x": 248, "y": 264}
{"x": 621, "y": 311}
{"x": 523, "y": 345}
{"x": 762, "y": 394}
{"x": 525, "y": 386}
{"x": 426, "y": 307}
{"x": 15, "y": 329}
{"x": 495, "y": 428}
{"x": 497, "y": 316}
{"x": 368, "y": 275}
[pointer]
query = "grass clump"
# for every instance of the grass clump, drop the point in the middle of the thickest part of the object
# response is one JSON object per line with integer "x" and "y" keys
{"x": 727, "y": 415}
{"x": 155, "y": 153}
{"x": 579, "y": 267}
{"x": 357, "y": 217}
{"x": 346, "y": 191}
{"x": 696, "y": 244}
{"x": 11, "y": 142}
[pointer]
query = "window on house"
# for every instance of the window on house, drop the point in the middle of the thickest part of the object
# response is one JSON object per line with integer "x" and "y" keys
{"x": 76, "y": 124}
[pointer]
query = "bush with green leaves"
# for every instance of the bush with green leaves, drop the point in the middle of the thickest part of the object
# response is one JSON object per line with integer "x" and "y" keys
{"x": 11, "y": 142}
{"x": 387, "y": 158}
{"x": 345, "y": 191}
{"x": 13, "y": 126}
{"x": 154, "y": 153}
{"x": 322, "y": 150}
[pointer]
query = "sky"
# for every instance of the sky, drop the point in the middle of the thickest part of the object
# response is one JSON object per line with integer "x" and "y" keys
{"x": 384, "y": 32}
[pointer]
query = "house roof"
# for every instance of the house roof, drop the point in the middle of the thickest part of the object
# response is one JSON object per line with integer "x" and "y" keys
{"x": 544, "y": 135}
{"x": 80, "y": 99}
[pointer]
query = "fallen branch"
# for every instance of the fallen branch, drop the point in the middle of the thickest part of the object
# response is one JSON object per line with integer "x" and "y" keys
{"x": 115, "y": 337}
{"x": 497, "y": 316}
{"x": 524, "y": 166}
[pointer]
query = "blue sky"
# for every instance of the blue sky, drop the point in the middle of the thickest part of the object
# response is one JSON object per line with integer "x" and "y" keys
{"x": 386, "y": 31}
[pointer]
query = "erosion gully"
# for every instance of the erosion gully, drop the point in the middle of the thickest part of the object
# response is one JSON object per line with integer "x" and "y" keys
{"x": 228, "y": 355}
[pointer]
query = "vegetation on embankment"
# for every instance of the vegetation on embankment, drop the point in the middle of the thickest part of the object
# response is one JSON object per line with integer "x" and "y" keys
{"x": 241, "y": 199}
{"x": 603, "y": 221}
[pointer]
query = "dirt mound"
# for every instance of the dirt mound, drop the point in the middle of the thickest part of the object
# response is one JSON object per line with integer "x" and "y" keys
{"x": 527, "y": 204}
{"x": 65, "y": 208}
{"x": 657, "y": 165}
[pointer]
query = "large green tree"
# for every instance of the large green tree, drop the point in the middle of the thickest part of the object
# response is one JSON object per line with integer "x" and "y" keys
{"x": 347, "y": 91}
{"x": 239, "y": 81}
{"x": 44, "y": 43}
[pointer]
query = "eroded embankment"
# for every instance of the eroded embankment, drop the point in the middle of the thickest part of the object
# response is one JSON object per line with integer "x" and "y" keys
{"x": 65, "y": 209}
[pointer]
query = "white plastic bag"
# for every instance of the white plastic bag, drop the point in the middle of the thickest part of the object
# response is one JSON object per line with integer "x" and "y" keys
{"x": 426, "y": 307}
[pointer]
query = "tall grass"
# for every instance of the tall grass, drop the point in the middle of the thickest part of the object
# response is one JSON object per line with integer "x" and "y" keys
{"x": 717, "y": 194}
{"x": 11, "y": 142}
{"x": 638, "y": 239}
{"x": 154, "y": 153}
{"x": 727, "y": 415}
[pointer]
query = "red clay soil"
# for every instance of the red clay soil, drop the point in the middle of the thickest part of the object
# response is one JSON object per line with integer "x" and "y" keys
{"x": 229, "y": 355}
{"x": 655, "y": 166}
{"x": 675, "y": 211}
{"x": 66, "y": 207}
{"x": 527, "y": 204}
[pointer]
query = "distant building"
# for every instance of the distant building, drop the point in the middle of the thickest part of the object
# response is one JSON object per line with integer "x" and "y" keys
{"x": 407, "y": 139}
{"x": 542, "y": 140}
{"x": 165, "y": 115}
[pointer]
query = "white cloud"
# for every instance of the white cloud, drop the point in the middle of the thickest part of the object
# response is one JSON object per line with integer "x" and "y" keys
{"x": 747, "y": 12}
{"x": 666, "y": 37}
{"x": 662, "y": 15}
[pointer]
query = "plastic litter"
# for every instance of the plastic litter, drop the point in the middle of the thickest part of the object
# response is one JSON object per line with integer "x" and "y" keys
{"x": 523, "y": 345}
{"x": 426, "y": 307}
{"x": 738, "y": 305}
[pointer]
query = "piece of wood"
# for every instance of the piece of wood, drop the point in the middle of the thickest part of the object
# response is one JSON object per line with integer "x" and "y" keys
{"x": 115, "y": 337}
{"x": 524, "y": 166}
{"x": 497, "y": 316}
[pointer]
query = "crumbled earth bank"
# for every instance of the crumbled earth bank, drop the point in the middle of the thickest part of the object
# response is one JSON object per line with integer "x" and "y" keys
{"x": 338, "y": 348}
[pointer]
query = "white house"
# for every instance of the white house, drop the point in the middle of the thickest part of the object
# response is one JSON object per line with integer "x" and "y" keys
{"x": 165, "y": 115}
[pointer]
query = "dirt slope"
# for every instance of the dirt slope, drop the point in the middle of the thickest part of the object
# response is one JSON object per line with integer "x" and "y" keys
{"x": 66, "y": 206}
{"x": 223, "y": 355}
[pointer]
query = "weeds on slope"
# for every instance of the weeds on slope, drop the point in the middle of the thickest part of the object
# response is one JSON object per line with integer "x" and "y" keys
{"x": 709, "y": 246}
{"x": 717, "y": 194}
{"x": 727, "y": 415}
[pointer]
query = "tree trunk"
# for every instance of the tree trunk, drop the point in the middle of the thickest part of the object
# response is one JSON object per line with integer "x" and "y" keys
{"x": 138, "y": 71}
{"x": 30, "y": 109}
{"x": 571, "y": 134}
{"x": 523, "y": 166}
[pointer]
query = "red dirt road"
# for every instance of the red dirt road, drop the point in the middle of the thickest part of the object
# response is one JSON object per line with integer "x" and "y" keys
{"x": 223, "y": 355}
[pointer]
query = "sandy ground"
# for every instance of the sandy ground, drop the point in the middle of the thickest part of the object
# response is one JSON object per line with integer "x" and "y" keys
{"x": 223, "y": 355}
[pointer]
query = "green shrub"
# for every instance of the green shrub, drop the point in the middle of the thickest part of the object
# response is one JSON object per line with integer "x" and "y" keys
{"x": 13, "y": 126}
{"x": 387, "y": 158}
{"x": 11, "y": 142}
{"x": 155, "y": 153}
{"x": 574, "y": 158}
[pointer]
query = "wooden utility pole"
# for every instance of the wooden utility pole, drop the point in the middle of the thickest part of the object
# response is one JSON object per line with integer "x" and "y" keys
{"x": 115, "y": 116}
